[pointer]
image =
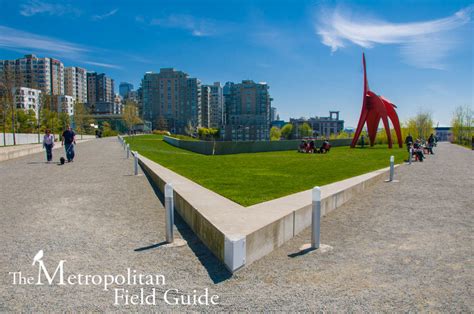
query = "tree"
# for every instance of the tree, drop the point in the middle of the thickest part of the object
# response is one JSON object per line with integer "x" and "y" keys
{"x": 305, "y": 130}
{"x": 287, "y": 131}
{"x": 420, "y": 126}
{"x": 208, "y": 133}
{"x": 462, "y": 125}
{"x": 107, "y": 130}
{"x": 25, "y": 120}
{"x": 63, "y": 121}
{"x": 161, "y": 123}
{"x": 7, "y": 81}
{"x": 130, "y": 114}
{"x": 190, "y": 129}
{"x": 275, "y": 133}
{"x": 80, "y": 113}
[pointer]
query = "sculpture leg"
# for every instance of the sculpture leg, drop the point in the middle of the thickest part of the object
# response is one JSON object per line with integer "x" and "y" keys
{"x": 392, "y": 114}
{"x": 387, "y": 130}
{"x": 373, "y": 119}
{"x": 360, "y": 125}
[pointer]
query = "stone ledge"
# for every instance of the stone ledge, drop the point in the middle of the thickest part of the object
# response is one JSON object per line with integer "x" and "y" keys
{"x": 239, "y": 235}
{"x": 11, "y": 152}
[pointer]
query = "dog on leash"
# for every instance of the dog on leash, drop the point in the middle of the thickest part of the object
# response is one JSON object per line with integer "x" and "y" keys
{"x": 62, "y": 160}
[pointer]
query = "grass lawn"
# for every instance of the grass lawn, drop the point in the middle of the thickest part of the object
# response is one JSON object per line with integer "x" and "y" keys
{"x": 256, "y": 177}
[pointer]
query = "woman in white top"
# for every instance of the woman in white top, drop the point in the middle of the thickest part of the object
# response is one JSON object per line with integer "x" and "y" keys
{"x": 48, "y": 144}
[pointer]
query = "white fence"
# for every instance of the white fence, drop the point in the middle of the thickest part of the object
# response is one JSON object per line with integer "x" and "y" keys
{"x": 27, "y": 138}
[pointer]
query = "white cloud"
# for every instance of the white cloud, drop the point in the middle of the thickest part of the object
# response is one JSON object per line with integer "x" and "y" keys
{"x": 17, "y": 40}
{"x": 104, "y": 16}
{"x": 11, "y": 38}
{"x": 196, "y": 26}
{"x": 33, "y": 7}
{"x": 423, "y": 44}
{"x": 103, "y": 65}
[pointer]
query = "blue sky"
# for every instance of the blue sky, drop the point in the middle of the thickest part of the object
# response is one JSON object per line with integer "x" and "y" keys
{"x": 419, "y": 53}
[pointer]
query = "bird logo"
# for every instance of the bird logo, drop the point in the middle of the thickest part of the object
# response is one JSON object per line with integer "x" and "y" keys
{"x": 38, "y": 257}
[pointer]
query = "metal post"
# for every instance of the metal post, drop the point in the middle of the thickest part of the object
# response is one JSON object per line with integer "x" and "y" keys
{"x": 392, "y": 162}
{"x": 316, "y": 219}
{"x": 135, "y": 157}
{"x": 169, "y": 212}
{"x": 128, "y": 151}
{"x": 410, "y": 156}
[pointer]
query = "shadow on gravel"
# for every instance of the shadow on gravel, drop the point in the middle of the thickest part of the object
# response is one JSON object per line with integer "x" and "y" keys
{"x": 215, "y": 268}
{"x": 153, "y": 246}
{"x": 300, "y": 253}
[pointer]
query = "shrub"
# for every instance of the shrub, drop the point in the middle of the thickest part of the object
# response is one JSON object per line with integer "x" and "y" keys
{"x": 160, "y": 132}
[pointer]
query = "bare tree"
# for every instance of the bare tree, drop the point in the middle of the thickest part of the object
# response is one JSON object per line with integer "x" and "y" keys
{"x": 7, "y": 81}
{"x": 462, "y": 124}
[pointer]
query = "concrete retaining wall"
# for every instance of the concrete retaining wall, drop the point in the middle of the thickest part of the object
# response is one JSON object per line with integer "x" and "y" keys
{"x": 227, "y": 147}
{"x": 240, "y": 235}
{"x": 11, "y": 152}
{"x": 30, "y": 138}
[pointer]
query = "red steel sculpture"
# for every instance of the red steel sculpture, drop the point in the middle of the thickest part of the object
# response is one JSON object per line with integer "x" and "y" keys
{"x": 374, "y": 108}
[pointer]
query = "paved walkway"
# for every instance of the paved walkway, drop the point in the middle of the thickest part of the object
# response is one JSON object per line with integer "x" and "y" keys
{"x": 403, "y": 246}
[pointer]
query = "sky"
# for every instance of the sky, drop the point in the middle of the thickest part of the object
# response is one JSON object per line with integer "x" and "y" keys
{"x": 420, "y": 54}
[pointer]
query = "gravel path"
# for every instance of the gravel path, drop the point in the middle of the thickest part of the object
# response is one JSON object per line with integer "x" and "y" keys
{"x": 404, "y": 246}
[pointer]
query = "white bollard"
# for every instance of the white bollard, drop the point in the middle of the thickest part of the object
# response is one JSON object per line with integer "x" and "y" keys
{"x": 410, "y": 156}
{"x": 392, "y": 163}
{"x": 316, "y": 219}
{"x": 135, "y": 163}
{"x": 128, "y": 151}
{"x": 169, "y": 206}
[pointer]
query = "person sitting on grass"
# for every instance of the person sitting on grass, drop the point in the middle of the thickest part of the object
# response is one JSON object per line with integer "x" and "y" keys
{"x": 310, "y": 148}
{"x": 325, "y": 147}
{"x": 302, "y": 148}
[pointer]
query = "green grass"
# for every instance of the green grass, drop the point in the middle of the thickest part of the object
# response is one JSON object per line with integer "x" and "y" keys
{"x": 256, "y": 177}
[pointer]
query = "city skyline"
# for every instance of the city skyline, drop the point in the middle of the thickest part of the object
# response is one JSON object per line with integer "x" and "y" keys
{"x": 309, "y": 53}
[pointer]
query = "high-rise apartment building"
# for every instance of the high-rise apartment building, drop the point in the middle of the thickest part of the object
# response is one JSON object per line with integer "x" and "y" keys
{"x": 273, "y": 114}
{"x": 204, "y": 118}
{"x": 57, "y": 77}
{"x": 118, "y": 104}
{"x": 170, "y": 96}
{"x": 124, "y": 89}
{"x": 247, "y": 111}
{"x": 212, "y": 106}
{"x": 32, "y": 72}
{"x": 192, "y": 103}
{"x": 75, "y": 83}
{"x": 100, "y": 93}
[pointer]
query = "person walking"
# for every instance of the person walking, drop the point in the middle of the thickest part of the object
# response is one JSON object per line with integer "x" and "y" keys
{"x": 408, "y": 140}
{"x": 69, "y": 140}
{"x": 48, "y": 144}
{"x": 431, "y": 142}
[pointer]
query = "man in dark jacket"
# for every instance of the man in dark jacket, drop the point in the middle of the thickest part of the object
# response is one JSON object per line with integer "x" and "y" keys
{"x": 69, "y": 140}
{"x": 408, "y": 140}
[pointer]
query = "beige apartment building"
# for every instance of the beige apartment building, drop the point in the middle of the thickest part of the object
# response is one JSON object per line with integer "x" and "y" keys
{"x": 75, "y": 83}
{"x": 31, "y": 72}
{"x": 171, "y": 96}
{"x": 247, "y": 113}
